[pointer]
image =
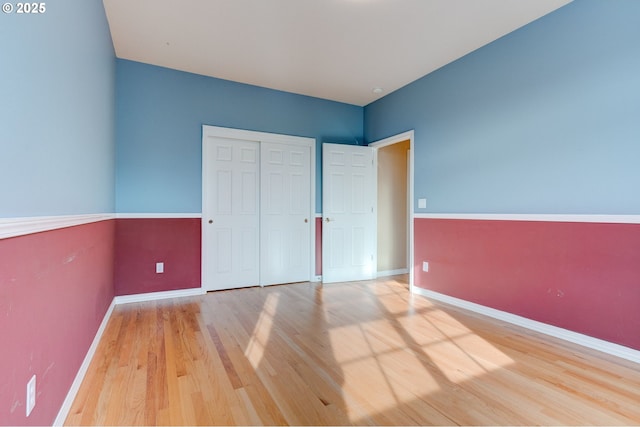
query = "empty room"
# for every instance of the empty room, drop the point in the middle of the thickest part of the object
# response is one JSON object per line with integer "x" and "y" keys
{"x": 322, "y": 212}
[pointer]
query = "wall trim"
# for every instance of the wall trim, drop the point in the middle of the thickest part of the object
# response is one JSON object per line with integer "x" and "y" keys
{"x": 21, "y": 226}
{"x": 153, "y": 296}
{"x": 544, "y": 328}
{"x": 614, "y": 219}
{"x": 63, "y": 413}
{"x": 157, "y": 215}
{"x": 14, "y": 227}
{"x": 387, "y": 273}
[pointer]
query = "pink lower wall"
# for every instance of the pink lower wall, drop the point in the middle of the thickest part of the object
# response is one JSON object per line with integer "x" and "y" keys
{"x": 55, "y": 288}
{"x": 584, "y": 277}
{"x": 142, "y": 242}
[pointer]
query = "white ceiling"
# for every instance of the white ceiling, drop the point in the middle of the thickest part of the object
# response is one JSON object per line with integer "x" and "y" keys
{"x": 333, "y": 49}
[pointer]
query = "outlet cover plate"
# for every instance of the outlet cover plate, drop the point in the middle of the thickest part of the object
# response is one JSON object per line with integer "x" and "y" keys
{"x": 31, "y": 395}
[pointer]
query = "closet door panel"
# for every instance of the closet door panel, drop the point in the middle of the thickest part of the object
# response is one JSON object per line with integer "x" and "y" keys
{"x": 284, "y": 221}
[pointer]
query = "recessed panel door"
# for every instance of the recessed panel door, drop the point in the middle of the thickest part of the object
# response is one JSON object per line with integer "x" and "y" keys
{"x": 231, "y": 213}
{"x": 285, "y": 244}
{"x": 348, "y": 228}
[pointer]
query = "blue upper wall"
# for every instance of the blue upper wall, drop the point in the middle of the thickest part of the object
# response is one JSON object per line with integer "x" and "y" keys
{"x": 57, "y": 111}
{"x": 543, "y": 120}
{"x": 160, "y": 113}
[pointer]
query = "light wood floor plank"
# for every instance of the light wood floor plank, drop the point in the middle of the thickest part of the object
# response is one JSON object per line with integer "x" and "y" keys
{"x": 361, "y": 353}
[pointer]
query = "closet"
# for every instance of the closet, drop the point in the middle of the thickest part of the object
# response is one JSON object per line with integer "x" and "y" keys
{"x": 257, "y": 208}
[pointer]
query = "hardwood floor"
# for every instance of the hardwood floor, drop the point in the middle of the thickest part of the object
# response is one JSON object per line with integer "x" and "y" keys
{"x": 357, "y": 353}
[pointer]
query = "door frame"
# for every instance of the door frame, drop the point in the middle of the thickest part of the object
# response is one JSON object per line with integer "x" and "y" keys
{"x": 209, "y": 131}
{"x": 408, "y": 135}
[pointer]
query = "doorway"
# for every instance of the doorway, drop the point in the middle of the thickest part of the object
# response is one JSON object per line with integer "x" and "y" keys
{"x": 393, "y": 209}
{"x": 394, "y": 160}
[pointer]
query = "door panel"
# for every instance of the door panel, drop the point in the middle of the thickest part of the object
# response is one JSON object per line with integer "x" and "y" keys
{"x": 285, "y": 244}
{"x": 349, "y": 229}
{"x": 230, "y": 202}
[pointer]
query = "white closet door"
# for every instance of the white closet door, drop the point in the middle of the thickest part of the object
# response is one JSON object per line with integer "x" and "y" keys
{"x": 231, "y": 213}
{"x": 285, "y": 243}
{"x": 349, "y": 228}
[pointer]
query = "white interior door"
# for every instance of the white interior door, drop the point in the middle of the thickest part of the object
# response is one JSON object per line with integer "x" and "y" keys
{"x": 231, "y": 213}
{"x": 349, "y": 226}
{"x": 285, "y": 224}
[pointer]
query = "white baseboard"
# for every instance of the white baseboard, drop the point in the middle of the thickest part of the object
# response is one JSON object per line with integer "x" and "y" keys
{"x": 153, "y": 296}
{"x": 554, "y": 331}
{"x": 75, "y": 386}
{"x": 387, "y": 273}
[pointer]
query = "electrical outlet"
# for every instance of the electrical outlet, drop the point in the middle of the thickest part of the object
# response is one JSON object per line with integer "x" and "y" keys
{"x": 159, "y": 267}
{"x": 425, "y": 266}
{"x": 31, "y": 394}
